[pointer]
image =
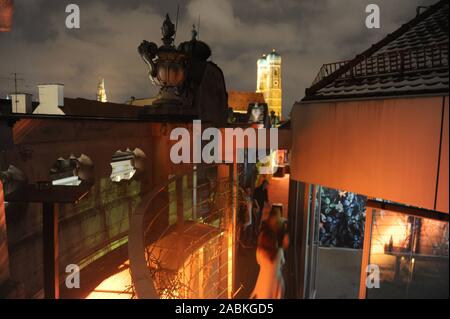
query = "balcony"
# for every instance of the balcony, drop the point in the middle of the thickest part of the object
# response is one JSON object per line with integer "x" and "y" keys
{"x": 418, "y": 59}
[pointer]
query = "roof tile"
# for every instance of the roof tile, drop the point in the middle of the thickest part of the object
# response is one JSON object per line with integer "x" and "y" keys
{"x": 412, "y": 60}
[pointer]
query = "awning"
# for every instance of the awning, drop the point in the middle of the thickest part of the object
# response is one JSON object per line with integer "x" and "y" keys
{"x": 394, "y": 149}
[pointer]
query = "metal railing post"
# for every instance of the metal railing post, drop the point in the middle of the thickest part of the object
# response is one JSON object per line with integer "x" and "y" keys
{"x": 180, "y": 202}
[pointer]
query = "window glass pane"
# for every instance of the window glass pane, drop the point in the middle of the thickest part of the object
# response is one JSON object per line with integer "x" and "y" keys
{"x": 412, "y": 255}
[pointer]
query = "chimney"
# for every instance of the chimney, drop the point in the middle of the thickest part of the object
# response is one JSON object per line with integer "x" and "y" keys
{"x": 21, "y": 103}
{"x": 51, "y": 97}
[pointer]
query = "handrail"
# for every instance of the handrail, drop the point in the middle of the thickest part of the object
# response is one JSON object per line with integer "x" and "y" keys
{"x": 404, "y": 60}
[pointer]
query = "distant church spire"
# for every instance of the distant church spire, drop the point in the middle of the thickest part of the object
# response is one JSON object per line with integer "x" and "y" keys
{"x": 269, "y": 81}
{"x": 101, "y": 92}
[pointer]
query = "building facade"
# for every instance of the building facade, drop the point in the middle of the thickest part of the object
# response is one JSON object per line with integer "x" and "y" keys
{"x": 376, "y": 126}
{"x": 101, "y": 92}
{"x": 269, "y": 81}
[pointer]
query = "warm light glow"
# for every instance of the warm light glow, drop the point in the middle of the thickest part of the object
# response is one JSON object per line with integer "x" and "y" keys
{"x": 197, "y": 277}
{"x": 205, "y": 273}
{"x": 268, "y": 81}
{"x": 390, "y": 229}
{"x": 101, "y": 92}
{"x": 230, "y": 263}
{"x": 117, "y": 286}
{"x": 167, "y": 294}
{"x": 201, "y": 274}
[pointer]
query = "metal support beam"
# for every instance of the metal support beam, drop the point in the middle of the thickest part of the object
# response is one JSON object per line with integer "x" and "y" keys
{"x": 408, "y": 210}
{"x": 298, "y": 216}
{"x": 180, "y": 202}
{"x": 50, "y": 244}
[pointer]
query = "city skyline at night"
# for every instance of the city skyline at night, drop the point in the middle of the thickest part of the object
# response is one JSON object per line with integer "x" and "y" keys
{"x": 306, "y": 33}
{"x": 233, "y": 153}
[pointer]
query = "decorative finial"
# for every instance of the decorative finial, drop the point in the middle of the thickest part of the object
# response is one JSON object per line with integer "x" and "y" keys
{"x": 194, "y": 33}
{"x": 168, "y": 31}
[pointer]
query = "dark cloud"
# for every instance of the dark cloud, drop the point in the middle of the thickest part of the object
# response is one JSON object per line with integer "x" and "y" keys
{"x": 307, "y": 33}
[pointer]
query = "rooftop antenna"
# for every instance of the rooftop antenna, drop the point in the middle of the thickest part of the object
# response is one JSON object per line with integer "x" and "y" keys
{"x": 176, "y": 22}
{"x": 16, "y": 80}
{"x": 15, "y": 89}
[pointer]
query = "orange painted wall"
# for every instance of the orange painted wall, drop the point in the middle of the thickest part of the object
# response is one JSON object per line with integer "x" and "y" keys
{"x": 442, "y": 191}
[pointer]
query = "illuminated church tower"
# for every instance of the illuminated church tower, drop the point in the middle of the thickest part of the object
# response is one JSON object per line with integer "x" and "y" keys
{"x": 269, "y": 80}
{"x": 101, "y": 92}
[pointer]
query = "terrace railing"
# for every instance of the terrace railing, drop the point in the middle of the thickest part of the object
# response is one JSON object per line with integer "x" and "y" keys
{"x": 396, "y": 61}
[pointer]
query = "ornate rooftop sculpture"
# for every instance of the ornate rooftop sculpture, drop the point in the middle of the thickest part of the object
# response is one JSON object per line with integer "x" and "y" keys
{"x": 167, "y": 65}
{"x": 195, "y": 49}
{"x": 168, "y": 32}
{"x": 191, "y": 87}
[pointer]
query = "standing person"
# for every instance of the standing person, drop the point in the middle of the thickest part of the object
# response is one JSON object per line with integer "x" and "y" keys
{"x": 261, "y": 196}
{"x": 270, "y": 257}
{"x": 277, "y": 224}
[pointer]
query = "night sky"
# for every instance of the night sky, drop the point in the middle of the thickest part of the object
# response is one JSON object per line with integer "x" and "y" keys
{"x": 307, "y": 33}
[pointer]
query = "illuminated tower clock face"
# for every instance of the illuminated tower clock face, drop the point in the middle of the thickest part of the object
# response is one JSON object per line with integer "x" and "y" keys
{"x": 275, "y": 78}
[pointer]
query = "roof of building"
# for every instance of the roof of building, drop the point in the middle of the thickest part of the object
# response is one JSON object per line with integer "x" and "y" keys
{"x": 6, "y": 105}
{"x": 412, "y": 60}
{"x": 94, "y": 108}
{"x": 141, "y": 102}
{"x": 239, "y": 101}
{"x": 274, "y": 54}
{"x": 262, "y": 61}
